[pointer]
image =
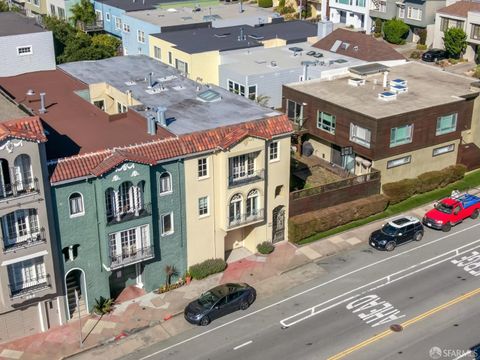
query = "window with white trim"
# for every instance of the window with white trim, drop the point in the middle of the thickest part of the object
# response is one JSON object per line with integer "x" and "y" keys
{"x": 414, "y": 13}
{"x": 181, "y": 66}
{"x": 165, "y": 183}
{"x": 157, "y": 52}
{"x": 446, "y": 124}
{"x": 20, "y": 225}
{"x": 167, "y": 224}
{"x": 242, "y": 166}
{"x": 295, "y": 112}
{"x": 236, "y": 88}
{"x": 360, "y": 135}
{"x": 399, "y": 162}
{"x": 130, "y": 243}
{"x": 98, "y": 15}
{"x": 118, "y": 23}
{"x": 326, "y": 122}
{"x": 252, "y": 92}
{"x": 401, "y": 12}
{"x": 121, "y": 108}
{"x": 401, "y": 135}
{"x": 52, "y": 10}
{"x": 107, "y": 16}
{"x": 61, "y": 13}
{"x": 76, "y": 205}
{"x": 202, "y": 168}
{"x": 382, "y": 6}
{"x": 26, "y": 274}
{"x": 203, "y": 206}
{"x": 25, "y": 50}
{"x": 443, "y": 150}
{"x": 141, "y": 36}
{"x": 126, "y": 28}
{"x": 273, "y": 153}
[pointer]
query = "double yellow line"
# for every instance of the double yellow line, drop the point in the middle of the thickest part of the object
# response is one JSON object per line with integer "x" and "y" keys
{"x": 405, "y": 324}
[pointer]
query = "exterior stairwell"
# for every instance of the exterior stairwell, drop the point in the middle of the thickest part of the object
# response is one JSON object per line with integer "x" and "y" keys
{"x": 72, "y": 285}
{"x": 469, "y": 155}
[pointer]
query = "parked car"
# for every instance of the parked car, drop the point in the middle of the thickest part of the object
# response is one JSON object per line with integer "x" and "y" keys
{"x": 219, "y": 301}
{"x": 434, "y": 55}
{"x": 396, "y": 232}
{"x": 451, "y": 211}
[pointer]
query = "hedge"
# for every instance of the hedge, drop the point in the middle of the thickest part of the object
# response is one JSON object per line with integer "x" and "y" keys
{"x": 403, "y": 189}
{"x": 265, "y": 3}
{"x": 305, "y": 225}
{"x": 206, "y": 268}
{"x": 265, "y": 247}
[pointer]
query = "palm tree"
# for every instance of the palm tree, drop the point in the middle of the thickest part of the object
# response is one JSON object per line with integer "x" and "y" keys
{"x": 83, "y": 13}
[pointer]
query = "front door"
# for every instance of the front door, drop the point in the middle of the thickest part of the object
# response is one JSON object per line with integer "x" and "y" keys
{"x": 278, "y": 224}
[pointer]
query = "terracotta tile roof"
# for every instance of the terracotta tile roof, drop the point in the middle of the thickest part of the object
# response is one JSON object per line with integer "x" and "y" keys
{"x": 361, "y": 46}
{"x": 460, "y": 8}
{"x": 96, "y": 164}
{"x": 28, "y": 128}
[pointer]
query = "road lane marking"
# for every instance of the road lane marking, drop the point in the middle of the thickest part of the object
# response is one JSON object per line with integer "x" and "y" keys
{"x": 405, "y": 324}
{"x": 384, "y": 281}
{"x": 414, "y": 249}
{"x": 242, "y": 345}
{"x": 463, "y": 355}
{"x": 469, "y": 263}
{"x": 380, "y": 311}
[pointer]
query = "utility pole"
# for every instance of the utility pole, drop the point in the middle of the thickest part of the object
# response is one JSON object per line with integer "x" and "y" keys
{"x": 77, "y": 303}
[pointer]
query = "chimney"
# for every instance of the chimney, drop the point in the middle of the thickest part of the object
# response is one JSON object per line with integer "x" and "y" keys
{"x": 151, "y": 126}
{"x": 150, "y": 80}
{"x": 161, "y": 119}
{"x": 241, "y": 6}
{"x": 385, "y": 75}
{"x": 305, "y": 72}
{"x": 42, "y": 109}
{"x": 324, "y": 28}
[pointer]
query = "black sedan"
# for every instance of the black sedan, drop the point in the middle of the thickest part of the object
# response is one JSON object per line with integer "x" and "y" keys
{"x": 219, "y": 301}
{"x": 434, "y": 55}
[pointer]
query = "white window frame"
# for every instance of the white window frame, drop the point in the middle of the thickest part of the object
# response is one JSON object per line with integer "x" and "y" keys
{"x": 322, "y": 126}
{"x": 107, "y": 16}
{"x": 121, "y": 108}
{"x": 242, "y": 166}
{"x": 405, "y": 160}
{"x": 236, "y": 88}
{"x": 80, "y": 213}
{"x": 11, "y": 221}
{"x": 118, "y": 23}
{"x": 443, "y": 150}
{"x": 115, "y": 241}
{"x": 354, "y": 136}
{"x": 159, "y": 49}
{"x": 404, "y": 141}
{"x": 98, "y": 15}
{"x": 274, "y": 151}
{"x": 401, "y": 12}
{"x": 169, "y": 188}
{"x": 172, "y": 230}
{"x": 30, "y": 271}
{"x": 437, "y": 133}
{"x": 141, "y": 39}
{"x": 250, "y": 93}
{"x": 126, "y": 27}
{"x": 202, "y": 168}
{"x": 414, "y": 13}
{"x": 29, "y": 47}
{"x": 200, "y": 209}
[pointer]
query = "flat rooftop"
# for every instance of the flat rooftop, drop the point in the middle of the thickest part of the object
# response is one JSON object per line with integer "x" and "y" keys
{"x": 428, "y": 86}
{"x": 260, "y": 61}
{"x": 185, "y": 15}
{"x": 185, "y": 113}
{"x": 12, "y": 23}
{"x": 9, "y": 110}
{"x": 227, "y": 38}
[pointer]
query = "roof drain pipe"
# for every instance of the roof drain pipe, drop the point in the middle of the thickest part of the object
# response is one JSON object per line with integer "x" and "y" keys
{"x": 151, "y": 125}
{"x": 161, "y": 119}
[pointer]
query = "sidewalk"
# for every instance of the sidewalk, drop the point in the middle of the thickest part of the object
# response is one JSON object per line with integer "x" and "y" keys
{"x": 151, "y": 318}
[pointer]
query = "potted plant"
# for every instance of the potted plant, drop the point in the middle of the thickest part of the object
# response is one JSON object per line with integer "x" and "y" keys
{"x": 188, "y": 278}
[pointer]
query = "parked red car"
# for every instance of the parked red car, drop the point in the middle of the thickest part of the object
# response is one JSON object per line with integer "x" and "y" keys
{"x": 451, "y": 211}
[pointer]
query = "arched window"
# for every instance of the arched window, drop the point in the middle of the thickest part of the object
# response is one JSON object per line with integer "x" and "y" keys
{"x": 139, "y": 202}
{"x": 126, "y": 200}
{"x": 110, "y": 203}
{"x": 76, "y": 204}
{"x": 252, "y": 203}
{"x": 165, "y": 183}
{"x": 23, "y": 172}
{"x": 5, "y": 183}
{"x": 235, "y": 208}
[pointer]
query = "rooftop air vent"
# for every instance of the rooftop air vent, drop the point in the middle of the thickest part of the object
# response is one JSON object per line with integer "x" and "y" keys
{"x": 295, "y": 49}
{"x": 222, "y": 35}
{"x": 400, "y": 82}
{"x": 318, "y": 55}
{"x": 130, "y": 83}
{"x": 345, "y": 46}
{"x": 311, "y": 53}
{"x": 341, "y": 61}
{"x": 387, "y": 96}
{"x": 398, "y": 89}
{"x": 209, "y": 96}
{"x": 356, "y": 82}
{"x": 256, "y": 37}
{"x": 273, "y": 64}
{"x": 156, "y": 90}
{"x": 167, "y": 78}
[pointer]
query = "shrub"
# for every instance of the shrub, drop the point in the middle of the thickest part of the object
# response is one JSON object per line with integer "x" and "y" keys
{"x": 421, "y": 47}
{"x": 207, "y": 267}
{"x": 430, "y": 181}
{"x": 416, "y": 55}
{"x": 287, "y": 10}
{"x": 400, "y": 190}
{"x": 378, "y": 26}
{"x": 281, "y": 4}
{"x": 455, "y": 41}
{"x": 453, "y": 173}
{"x": 305, "y": 225}
{"x": 476, "y": 72}
{"x": 265, "y": 247}
{"x": 422, "y": 34}
{"x": 395, "y": 31}
{"x": 103, "y": 306}
{"x": 265, "y": 3}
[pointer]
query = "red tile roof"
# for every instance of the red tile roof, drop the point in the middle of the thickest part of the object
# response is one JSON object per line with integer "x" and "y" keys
{"x": 28, "y": 128}
{"x": 460, "y": 8}
{"x": 367, "y": 47}
{"x": 96, "y": 164}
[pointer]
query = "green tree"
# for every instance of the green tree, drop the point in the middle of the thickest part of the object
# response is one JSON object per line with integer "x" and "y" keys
{"x": 61, "y": 31}
{"x": 108, "y": 42}
{"x": 378, "y": 26}
{"x": 395, "y": 31}
{"x": 4, "y": 6}
{"x": 455, "y": 42}
{"x": 83, "y": 12}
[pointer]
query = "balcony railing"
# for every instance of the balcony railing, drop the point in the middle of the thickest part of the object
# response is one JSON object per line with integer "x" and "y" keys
{"x": 24, "y": 241}
{"x": 127, "y": 214}
{"x": 19, "y": 188}
{"x": 25, "y": 287}
{"x": 244, "y": 219}
{"x": 131, "y": 256}
{"x": 97, "y": 25}
{"x": 234, "y": 181}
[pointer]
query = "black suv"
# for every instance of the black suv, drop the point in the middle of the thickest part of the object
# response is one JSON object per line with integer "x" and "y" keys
{"x": 397, "y": 232}
{"x": 434, "y": 55}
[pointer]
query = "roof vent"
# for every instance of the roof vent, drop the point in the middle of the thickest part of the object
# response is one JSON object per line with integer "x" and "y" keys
{"x": 356, "y": 82}
{"x": 387, "y": 96}
{"x": 261, "y": 61}
{"x": 256, "y": 37}
{"x": 167, "y": 78}
{"x": 130, "y": 83}
{"x": 222, "y": 35}
{"x": 242, "y": 36}
{"x": 355, "y": 48}
{"x": 398, "y": 89}
{"x": 209, "y": 96}
{"x": 345, "y": 46}
{"x": 400, "y": 82}
{"x": 273, "y": 64}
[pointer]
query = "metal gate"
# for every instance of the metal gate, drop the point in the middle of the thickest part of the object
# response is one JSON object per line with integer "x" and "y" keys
{"x": 278, "y": 224}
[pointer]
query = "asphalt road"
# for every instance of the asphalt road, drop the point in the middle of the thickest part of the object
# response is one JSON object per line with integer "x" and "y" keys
{"x": 430, "y": 288}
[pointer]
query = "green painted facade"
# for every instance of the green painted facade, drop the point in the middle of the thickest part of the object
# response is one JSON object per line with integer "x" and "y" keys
{"x": 89, "y": 233}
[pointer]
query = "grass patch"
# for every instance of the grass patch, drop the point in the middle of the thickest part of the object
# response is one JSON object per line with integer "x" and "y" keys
{"x": 469, "y": 181}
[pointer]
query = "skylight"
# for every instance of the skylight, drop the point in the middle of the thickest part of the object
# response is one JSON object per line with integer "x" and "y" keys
{"x": 209, "y": 96}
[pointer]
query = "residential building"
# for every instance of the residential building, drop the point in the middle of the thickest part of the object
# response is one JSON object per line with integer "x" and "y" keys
{"x": 35, "y": 8}
{"x": 416, "y": 14}
{"x": 402, "y": 121}
{"x": 354, "y": 13}
{"x": 24, "y": 45}
{"x": 125, "y": 159}
{"x": 31, "y": 284}
{"x": 61, "y": 9}
{"x": 138, "y": 25}
{"x": 259, "y": 73}
{"x": 464, "y": 15}
{"x": 196, "y": 52}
